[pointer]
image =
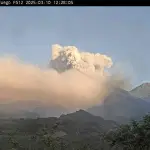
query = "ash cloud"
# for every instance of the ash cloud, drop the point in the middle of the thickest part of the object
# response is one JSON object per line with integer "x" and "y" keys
{"x": 73, "y": 80}
{"x": 69, "y": 57}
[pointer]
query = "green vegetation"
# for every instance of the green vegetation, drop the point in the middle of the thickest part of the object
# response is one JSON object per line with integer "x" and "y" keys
{"x": 133, "y": 136}
{"x": 76, "y": 131}
{"x": 71, "y": 132}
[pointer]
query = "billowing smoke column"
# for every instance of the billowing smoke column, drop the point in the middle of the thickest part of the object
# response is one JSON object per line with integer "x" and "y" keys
{"x": 68, "y": 57}
{"x": 73, "y": 80}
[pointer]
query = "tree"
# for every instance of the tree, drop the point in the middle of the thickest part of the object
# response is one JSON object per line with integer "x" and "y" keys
{"x": 133, "y": 136}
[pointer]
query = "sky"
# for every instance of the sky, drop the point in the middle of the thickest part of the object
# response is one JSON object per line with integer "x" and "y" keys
{"x": 122, "y": 33}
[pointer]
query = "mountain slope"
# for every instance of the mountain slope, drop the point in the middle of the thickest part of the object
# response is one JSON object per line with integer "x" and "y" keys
{"x": 77, "y": 124}
{"x": 76, "y": 130}
{"x": 85, "y": 117}
{"x": 142, "y": 91}
{"x": 121, "y": 106}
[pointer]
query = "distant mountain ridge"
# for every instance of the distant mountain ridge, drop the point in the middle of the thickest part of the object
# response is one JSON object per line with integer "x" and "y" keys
{"x": 84, "y": 116}
{"x": 121, "y": 106}
{"x": 75, "y": 130}
{"x": 142, "y": 91}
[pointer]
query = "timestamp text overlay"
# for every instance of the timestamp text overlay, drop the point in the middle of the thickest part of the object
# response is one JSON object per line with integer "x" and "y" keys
{"x": 36, "y": 2}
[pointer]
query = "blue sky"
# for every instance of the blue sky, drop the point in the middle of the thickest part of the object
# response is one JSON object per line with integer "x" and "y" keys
{"x": 120, "y": 32}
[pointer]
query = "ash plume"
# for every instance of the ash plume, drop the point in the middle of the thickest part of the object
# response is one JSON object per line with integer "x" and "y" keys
{"x": 73, "y": 79}
{"x": 69, "y": 57}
